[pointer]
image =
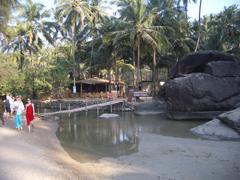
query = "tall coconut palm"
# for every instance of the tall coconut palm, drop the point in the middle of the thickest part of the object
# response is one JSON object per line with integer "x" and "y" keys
{"x": 95, "y": 24}
{"x": 25, "y": 35}
{"x": 199, "y": 25}
{"x": 185, "y": 3}
{"x": 17, "y": 42}
{"x": 73, "y": 14}
{"x": 32, "y": 16}
{"x": 140, "y": 29}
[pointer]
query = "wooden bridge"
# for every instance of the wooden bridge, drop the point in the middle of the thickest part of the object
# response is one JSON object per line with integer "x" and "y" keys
{"x": 88, "y": 107}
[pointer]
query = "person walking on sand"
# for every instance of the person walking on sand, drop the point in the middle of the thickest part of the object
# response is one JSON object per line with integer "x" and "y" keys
{"x": 8, "y": 105}
{"x": 11, "y": 100}
{"x": 29, "y": 113}
{"x": 18, "y": 108}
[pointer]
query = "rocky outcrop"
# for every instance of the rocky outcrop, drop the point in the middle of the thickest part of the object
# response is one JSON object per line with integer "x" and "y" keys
{"x": 202, "y": 92}
{"x": 215, "y": 129}
{"x": 196, "y": 62}
{"x": 232, "y": 119}
{"x": 223, "y": 69}
{"x": 224, "y": 126}
{"x": 204, "y": 81}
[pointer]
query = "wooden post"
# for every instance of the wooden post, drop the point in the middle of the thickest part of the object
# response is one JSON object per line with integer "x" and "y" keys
{"x": 123, "y": 105}
{"x": 111, "y": 108}
{"x": 81, "y": 90}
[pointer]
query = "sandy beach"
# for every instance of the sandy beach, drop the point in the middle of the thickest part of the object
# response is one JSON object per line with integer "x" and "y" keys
{"x": 39, "y": 155}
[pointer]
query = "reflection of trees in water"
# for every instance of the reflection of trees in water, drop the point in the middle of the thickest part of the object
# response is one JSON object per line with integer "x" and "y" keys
{"x": 110, "y": 137}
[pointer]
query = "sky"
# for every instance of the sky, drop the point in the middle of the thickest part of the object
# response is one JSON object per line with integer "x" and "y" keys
{"x": 208, "y": 6}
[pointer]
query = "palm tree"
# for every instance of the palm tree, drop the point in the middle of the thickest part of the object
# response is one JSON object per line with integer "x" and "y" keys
{"x": 95, "y": 24}
{"x": 5, "y": 10}
{"x": 25, "y": 35}
{"x": 73, "y": 14}
{"x": 185, "y": 3}
{"x": 223, "y": 30}
{"x": 199, "y": 25}
{"x": 33, "y": 15}
{"x": 140, "y": 28}
{"x": 17, "y": 42}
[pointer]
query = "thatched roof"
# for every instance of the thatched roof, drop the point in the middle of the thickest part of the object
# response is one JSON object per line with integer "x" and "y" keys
{"x": 97, "y": 80}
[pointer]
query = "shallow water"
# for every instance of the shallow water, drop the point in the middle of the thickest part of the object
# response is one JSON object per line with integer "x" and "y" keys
{"x": 89, "y": 138}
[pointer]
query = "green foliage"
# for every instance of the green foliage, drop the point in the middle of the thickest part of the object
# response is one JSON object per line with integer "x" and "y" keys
{"x": 15, "y": 84}
{"x": 41, "y": 57}
{"x": 42, "y": 87}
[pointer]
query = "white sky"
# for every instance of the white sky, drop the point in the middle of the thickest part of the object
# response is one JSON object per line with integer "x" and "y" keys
{"x": 208, "y": 6}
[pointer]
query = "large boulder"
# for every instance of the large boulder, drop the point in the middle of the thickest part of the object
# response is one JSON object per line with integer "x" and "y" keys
{"x": 223, "y": 69}
{"x": 232, "y": 119}
{"x": 204, "y": 81}
{"x": 196, "y": 62}
{"x": 202, "y": 92}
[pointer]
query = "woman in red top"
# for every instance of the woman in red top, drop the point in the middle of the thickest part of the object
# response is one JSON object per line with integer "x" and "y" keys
{"x": 29, "y": 113}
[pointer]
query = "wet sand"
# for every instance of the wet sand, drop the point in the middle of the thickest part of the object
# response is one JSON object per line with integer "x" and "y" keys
{"x": 39, "y": 155}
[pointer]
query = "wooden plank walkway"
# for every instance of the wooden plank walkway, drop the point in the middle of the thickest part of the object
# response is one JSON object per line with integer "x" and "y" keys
{"x": 85, "y": 108}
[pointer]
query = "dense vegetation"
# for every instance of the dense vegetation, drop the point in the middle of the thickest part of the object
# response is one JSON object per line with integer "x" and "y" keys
{"x": 43, "y": 51}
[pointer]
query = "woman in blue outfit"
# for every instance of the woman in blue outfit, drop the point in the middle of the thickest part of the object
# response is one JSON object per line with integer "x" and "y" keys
{"x": 18, "y": 108}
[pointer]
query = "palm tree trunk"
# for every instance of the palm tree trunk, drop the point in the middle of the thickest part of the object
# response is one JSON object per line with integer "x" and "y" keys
{"x": 73, "y": 56}
{"x": 91, "y": 59}
{"x": 154, "y": 71}
{"x": 90, "y": 62}
{"x": 199, "y": 26}
{"x": 138, "y": 63}
{"x": 21, "y": 58}
{"x": 134, "y": 65}
{"x": 109, "y": 79}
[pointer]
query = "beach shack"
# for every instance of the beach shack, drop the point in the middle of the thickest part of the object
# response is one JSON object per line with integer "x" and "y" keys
{"x": 98, "y": 88}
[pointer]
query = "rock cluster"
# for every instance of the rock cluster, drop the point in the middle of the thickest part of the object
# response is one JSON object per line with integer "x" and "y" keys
{"x": 232, "y": 119}
{"x": 204, "y": 81}
{"x": 225, "y": 126}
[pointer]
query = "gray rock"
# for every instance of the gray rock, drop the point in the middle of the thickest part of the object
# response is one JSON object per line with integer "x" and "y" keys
{"x": 108, "y": 115}
{"x": 223, "y": 68}
{"x": 232, "y": 119}
{"x": 215, "y": 129}
{"x": 196, "y": 62}
{"x": 202, "y": 92}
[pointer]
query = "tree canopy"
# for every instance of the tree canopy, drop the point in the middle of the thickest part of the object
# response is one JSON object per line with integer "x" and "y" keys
{"x": 45, "y": 51}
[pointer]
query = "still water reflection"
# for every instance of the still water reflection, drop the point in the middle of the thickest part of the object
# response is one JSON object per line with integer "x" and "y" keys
{"x": 88, "y": 138}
